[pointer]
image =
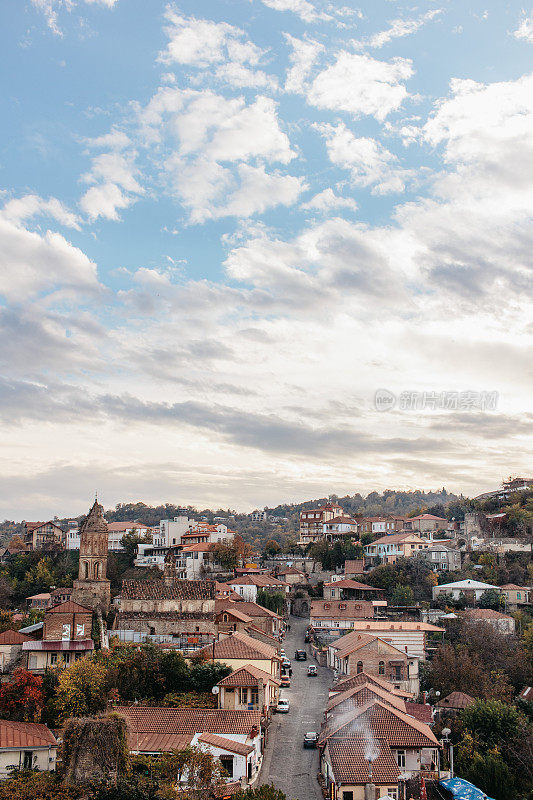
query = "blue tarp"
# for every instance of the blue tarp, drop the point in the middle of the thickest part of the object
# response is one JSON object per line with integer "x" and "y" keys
{"x": 464, "y": 790}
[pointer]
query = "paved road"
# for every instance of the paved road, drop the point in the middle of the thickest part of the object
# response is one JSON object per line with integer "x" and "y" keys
{"x": 286, "y": 764}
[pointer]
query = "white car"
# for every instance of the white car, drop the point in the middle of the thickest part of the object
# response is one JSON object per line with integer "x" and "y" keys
{"x": 283, "y": 706}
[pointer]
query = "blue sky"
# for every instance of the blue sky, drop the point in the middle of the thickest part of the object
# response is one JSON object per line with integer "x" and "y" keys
{"x": 226, "y": 225}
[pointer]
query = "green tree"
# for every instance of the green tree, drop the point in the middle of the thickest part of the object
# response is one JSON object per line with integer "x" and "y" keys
{"x": 493, "y": 723}
{"x": 491, "y": 598}
{"x": 402, "y": 596}
{"x": 272, "y": 548}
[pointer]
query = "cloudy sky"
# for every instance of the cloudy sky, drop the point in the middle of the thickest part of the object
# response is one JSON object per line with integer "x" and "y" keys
{"x": 226, "y": 224}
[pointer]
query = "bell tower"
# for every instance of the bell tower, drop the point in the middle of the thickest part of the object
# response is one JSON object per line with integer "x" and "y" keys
{"x": 92, "y": 588}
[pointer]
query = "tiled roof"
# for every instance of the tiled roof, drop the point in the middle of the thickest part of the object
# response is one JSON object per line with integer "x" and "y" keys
{"x": 147, "y": 742}
{"x": 340, "y": 519}
{"x": 234, "y": 612}
{"x": 357, "y": 566}
{"x": 353, "y": 644}
{"x": 25, "y": 734}
{"x": 226, "y": 744}
{"x": 341, "y": 609}
{"x": 239, "y": 645}
{"x": 456, "y": 700}
{"x": 13, "y": 637}
{"x": 247, "y": 676}
{"x": 62, "y": 590}
{"x": 69, "y": 607}
{"x": 249, "y": 608}
{"x": 429, "y": 516}
{"x": 291, "y": 571}
{"x": 420, "y": 711}
{"x": 513, "y": 587}
{"x": 362, "y": 678}
{"x": 360, "y": 695}
{"x": 188, "y": 721}
{"x": 348, "y": 583}
{"x": 350, "y": 767}
{"x": 200, "y": 547}
{"x": 385, "y": 722}
{"x": 159, "y": 590}
{"x": 256, "y": 580}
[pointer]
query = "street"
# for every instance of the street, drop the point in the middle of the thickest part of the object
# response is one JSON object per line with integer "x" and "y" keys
{"x": 286, "y": 764}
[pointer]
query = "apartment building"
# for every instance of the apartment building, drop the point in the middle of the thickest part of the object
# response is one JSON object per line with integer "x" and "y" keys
{"x": 312, "y": 522}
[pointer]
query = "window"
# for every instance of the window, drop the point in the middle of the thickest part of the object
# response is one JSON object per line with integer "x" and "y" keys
{"x": 226, "y": 762}
{"x": 391, "y": 791}
{"x": 28, "y": 759}
{"x": 254, "y": 695}
{"x": 243, "y": 695}
{"x": 347, "y": 796}
{"x": 53, "y": 658}
{"x": 400, "y": 757}
{"x": 333, "y": 592}
{"x": 381, "y": 668}
{"x": 359, "y": 667}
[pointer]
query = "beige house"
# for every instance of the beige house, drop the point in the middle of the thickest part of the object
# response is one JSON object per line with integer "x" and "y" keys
{"x": 241, "y": 650}
{"x": 11, "y": 649}
{"x": 515, "y": 596}
{"x": 503, "y": 623}
{"x": 388, "y": 549}
{"x": 407, "y": 635}
{"x": 357, "y": 653}
{"x": 249, "y": 688}
{"x": 26, "y": 745}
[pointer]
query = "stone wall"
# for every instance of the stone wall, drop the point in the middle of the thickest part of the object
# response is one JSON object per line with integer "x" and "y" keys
{"x": 53, "y": 626}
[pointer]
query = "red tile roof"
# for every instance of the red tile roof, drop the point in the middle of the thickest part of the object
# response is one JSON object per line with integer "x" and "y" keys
{"x": 350, "y": 767}
{"x": 360, "y": 695}
{"x": 355, "y": 566}
{"x": 377, "y": 627}
{"x": 364, "y": 677}
{"x": 246, "y": 607}
{"x": 25, "y": 734}
{"x": 256, "y": 580}
{"x": 420, "y": 711}
{"x": 397, "y": 728}
{"x": 238, "y": 645}
{"x": 485, "y": 614}
{"x": 248, "y": 676}
{"x": 352, "y": 644}
{"x": 348, "y": 583}
{"x": 159, "y": 590}
{"x": 456, "y": 700}
{"x": 157, "y": 721}
{"x": 69, "y": 607}
{"x": 226, "y": 744}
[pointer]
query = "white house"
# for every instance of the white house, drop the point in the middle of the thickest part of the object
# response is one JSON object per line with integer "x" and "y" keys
{"x": 26, "y": 745}
{"x": 472, "y": 590}
{"x": 247, "y": 586}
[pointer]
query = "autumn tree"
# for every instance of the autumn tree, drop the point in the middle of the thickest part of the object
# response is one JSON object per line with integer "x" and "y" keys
{"x": 21, "y": 698}
{"x": 81, "y": 689}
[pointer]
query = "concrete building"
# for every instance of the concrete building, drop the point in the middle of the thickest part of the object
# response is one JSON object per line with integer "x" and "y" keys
{"x": 340, "y": 527}
{"x": 442, "y": 558}
{"x": 331, "y": 617}
{"x": 502, "y": 623}
{"x": 388, "y": 549}
{"x": 247, "y": 586}
{"x": 515, "y": 596}
{"x": 469, "y": 589}
{"x": 312, "y": 522}
{"x": 240, "y": 650}
{"x": 43, "y": 536}
{"x": 409, "y": 636}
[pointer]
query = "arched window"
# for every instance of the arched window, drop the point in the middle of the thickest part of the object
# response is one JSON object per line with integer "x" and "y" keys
{"x": 359, "y": 667}
{"x": 381, "y": 668}
{"x": 97, "y": 570}
{"x": 86, "y": 565}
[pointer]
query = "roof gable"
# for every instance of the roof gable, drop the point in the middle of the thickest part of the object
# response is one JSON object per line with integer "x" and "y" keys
{"x": 68, "y": 607}
{"x": 385, "y": 722}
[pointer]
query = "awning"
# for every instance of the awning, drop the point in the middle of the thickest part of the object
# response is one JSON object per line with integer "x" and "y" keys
{"x": 464, "y": 790}
{"x": 64, "y": 645}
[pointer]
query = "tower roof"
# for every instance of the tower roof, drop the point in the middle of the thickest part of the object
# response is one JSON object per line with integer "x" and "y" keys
{"x": 95, "y": 520}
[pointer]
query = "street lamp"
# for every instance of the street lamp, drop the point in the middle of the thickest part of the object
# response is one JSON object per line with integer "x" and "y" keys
{"x": 446, "y": 740}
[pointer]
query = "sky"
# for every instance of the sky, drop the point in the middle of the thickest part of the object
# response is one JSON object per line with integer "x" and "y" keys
{"x": 259, "y": 251}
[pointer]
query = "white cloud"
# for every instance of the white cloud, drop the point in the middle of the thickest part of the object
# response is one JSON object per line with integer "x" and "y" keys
{"x": 302, "y": 58}
{"x": 114, "y": 140}
{"x": 370, "y": 163}
{"x": 31, "y": 205}
{"x": 117, "y": 186}
{"x": 361, "y": 85}
{"x": 32, "y": 264}
{"x": 328, "y": 201}
{"x": 398, "y": 28}
{"x": 50, "y": 9}
{"x": 240, "y": 77}
{"x": 525, "y": 29}
{"x": 302, "y": 8}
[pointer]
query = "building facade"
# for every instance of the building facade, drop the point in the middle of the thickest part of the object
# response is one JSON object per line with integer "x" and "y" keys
{"x": 92, "y": 588}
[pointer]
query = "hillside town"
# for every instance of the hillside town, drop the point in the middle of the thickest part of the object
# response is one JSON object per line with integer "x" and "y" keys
{"x": 386, "y": 656}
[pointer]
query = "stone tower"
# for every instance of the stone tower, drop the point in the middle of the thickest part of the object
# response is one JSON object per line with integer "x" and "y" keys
{"x": 92, "y": 589}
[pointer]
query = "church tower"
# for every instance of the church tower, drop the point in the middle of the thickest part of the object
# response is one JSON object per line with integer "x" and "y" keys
{"x": 92, "y": 588}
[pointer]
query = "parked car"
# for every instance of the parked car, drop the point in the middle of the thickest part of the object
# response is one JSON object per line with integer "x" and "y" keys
{"x": 282, "y": 653}
{"x": 310, "y": 739}
{"x": 283, "y": 706}
{"x": 311, "y": 671}
{"x": 300, "y": 655}
{"x": 285, "y": 680}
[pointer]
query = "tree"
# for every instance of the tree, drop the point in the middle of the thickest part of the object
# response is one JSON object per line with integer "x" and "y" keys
{"x": 94, "y": 749}
{"x": 265, "y": 792}
{"x": 493, "y": 723}
{"x": 81, "y": 689}
{"x": 491, "y": 774}
{"x": 22, "y": 697}
{"x": 527, "y": 638}
{"x": 27, "y": 785}
{"x": 491, "y": 598}
{"x": 198, "y": 769}
{"x": 402, "y": 596}
{"x": 272, "y": 547}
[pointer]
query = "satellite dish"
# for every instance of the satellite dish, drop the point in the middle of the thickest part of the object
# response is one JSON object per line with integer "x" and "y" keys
{"x": 215, "y": 690}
